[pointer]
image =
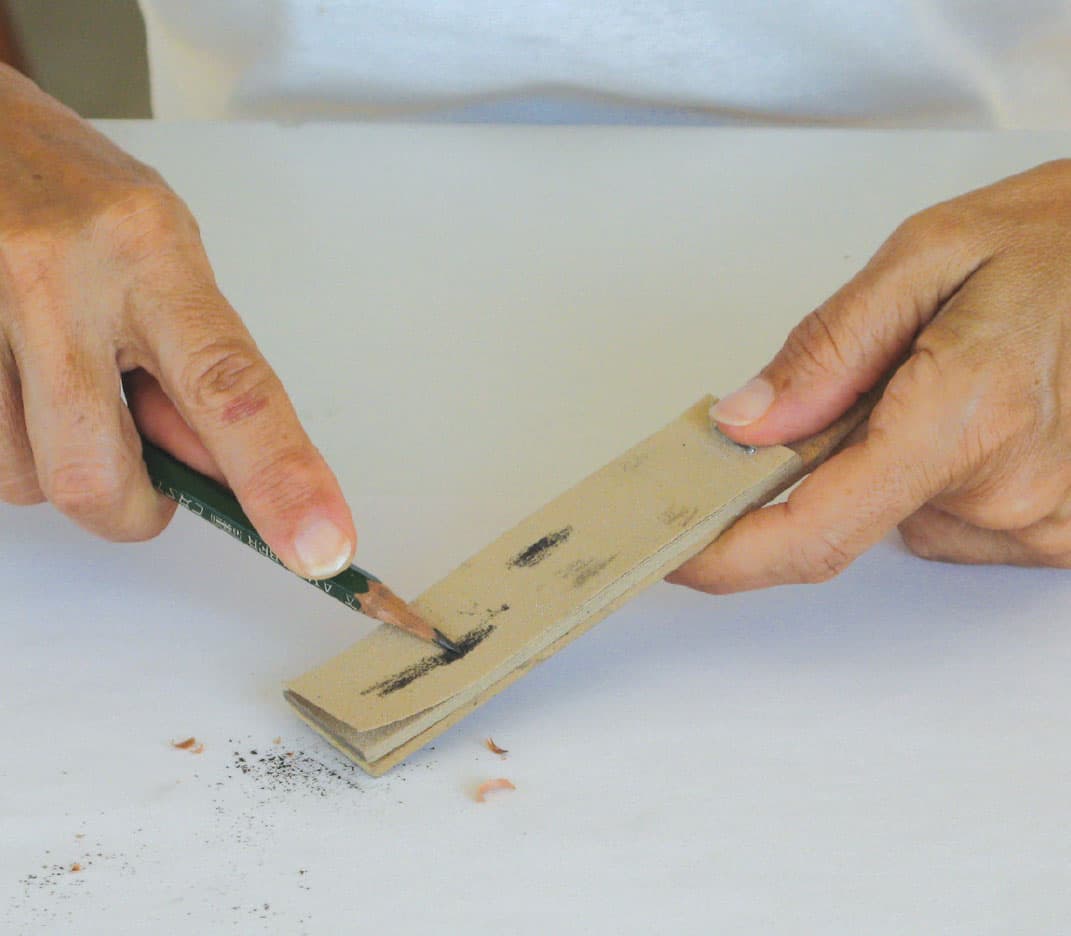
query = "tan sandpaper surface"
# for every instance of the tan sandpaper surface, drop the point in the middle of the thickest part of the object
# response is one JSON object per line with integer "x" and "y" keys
{"x": 539, "y": 585}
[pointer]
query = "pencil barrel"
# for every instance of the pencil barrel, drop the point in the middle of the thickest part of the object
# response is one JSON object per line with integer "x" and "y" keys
{"x": 211, "y": 501}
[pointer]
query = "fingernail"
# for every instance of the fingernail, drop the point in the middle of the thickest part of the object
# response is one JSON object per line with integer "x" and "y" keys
{"x": 745, "y": 405}
{"x": 322, "y": 548}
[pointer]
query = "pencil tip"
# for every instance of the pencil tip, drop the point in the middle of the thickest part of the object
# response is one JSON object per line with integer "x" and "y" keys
{"x": 447, "y": 644}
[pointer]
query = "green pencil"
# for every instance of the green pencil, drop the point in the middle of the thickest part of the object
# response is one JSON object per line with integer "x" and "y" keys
{"x": 355, "y": 588}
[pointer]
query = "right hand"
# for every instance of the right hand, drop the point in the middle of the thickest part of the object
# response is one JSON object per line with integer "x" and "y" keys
{"x": 104, "y": 283}
{"x": 967, "y": 451}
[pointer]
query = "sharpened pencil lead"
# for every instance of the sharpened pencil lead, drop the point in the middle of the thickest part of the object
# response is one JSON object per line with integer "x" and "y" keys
{"x": 447, "y": 644}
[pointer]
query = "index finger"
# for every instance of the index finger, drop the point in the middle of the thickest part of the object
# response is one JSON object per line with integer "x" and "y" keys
{"x": 847, "y": 504}
{"x": 210, "y": 367}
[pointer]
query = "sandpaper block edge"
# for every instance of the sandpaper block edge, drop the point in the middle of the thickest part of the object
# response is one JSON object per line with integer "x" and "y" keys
{"x": 368, "y": 749}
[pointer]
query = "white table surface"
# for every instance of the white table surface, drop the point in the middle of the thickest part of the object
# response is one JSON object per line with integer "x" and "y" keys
{"x": 503, "y": 310}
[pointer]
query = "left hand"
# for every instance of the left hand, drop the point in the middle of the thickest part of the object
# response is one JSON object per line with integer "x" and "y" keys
{"x": 969, "y": 449}
{"x": 104, "y": 283}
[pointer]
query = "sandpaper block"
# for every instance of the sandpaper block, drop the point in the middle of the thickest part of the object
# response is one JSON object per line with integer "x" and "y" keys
{"x": 545, "y": 582}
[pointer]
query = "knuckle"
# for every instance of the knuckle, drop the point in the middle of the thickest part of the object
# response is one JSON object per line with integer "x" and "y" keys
{"x": 29, "y": 260}
{"x": 1015, "y": 427}
{"x": 915, "y": 387}
{"x": 939, "y": 227}
{"x": 821, "y": 346}
{"x": 1058, "y": 561}
{"x": 907, "y": 236}
{"x": 824, "y": 558}
{"x": 87, "y": 488}
{"x": 919, "y": 538}
{"x": 1060, "y": 166}
{"x": 1049, "y": 553}
{"x": 963, "y": 337}
{"x": 126, "y": 222}
{"x": 1012, "y": 509}
{"x": 988, "y": 425}
{"x": 21, "y": 490}
{"x": 944, "y": 335}
{"x": 1049, "y": 541}
{"x": 150, "y": 226}
{"x": 228, "y": 379}
{"x": 927, "y": 370}
{"x": 141, "y": 218}
{"x": 18, "y": 473}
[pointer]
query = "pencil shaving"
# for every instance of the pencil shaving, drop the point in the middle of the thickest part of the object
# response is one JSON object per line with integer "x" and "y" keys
{"x": 184, "y": 745}
{"x": 495, "y": 749}
{"x": 501, "y": 783}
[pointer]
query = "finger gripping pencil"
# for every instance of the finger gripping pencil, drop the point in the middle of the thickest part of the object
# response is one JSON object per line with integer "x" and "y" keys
{"x": 354, "y": 587}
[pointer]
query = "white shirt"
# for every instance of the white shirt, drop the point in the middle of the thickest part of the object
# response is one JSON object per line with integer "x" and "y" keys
{"x": 962, "y": 63}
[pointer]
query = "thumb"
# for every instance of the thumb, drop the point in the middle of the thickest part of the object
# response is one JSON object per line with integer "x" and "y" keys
{"x": 846, "y": 345}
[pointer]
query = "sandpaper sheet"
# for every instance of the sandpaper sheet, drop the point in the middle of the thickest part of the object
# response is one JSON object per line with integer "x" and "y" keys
{"x": 539, "y": 585}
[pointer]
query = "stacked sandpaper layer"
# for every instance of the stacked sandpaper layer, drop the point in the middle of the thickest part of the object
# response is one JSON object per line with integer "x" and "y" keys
{"x": 539, "y": 586}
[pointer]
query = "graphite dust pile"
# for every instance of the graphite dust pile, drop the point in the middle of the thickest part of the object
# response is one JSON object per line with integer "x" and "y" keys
{"x": 278, "y": 770}
{"x": 240, "y": 794}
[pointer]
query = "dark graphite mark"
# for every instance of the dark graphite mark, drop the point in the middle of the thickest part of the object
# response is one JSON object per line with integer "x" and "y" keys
{"x": 425, "y": 665}
{"x": 539, "y": 550}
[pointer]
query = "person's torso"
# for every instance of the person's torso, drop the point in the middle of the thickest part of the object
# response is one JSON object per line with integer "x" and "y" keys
{"x": 883, "y": 62}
